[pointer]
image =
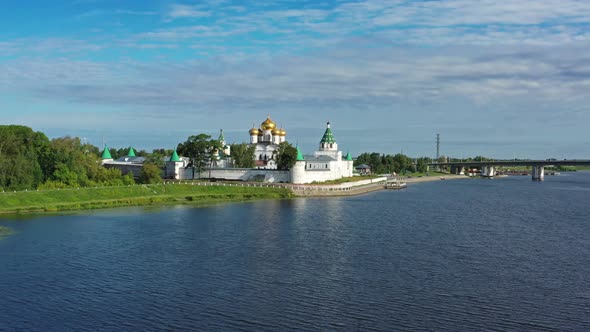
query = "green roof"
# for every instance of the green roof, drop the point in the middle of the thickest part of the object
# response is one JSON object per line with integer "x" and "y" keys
{"x": 106, "y": 154}
{"x": 221, "y": 138}
{"x": 348, "y": 156}
{"x": 299, "y": 155}
{"x": 328, "y": 136}
{"x": 175, "y": 157}
{"x": 131, "y": 152}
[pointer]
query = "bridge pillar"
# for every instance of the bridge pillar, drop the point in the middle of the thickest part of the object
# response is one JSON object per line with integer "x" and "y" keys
{"x": 538, "y": 173}
{"x": 488, "y": 171}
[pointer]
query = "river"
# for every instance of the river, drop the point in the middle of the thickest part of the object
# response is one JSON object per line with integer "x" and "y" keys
{"x": 465, "y": 255}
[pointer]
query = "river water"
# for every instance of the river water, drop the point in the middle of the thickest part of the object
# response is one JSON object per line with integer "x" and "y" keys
{"x": 463, "y": 255}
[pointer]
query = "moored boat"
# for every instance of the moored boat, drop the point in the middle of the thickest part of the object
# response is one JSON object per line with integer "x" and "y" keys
{"x": 395, "y": 185}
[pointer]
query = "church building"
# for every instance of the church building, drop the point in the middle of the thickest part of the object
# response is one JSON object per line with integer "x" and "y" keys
{"x": 327, "y": 163}
{"x": 266, "y": 139}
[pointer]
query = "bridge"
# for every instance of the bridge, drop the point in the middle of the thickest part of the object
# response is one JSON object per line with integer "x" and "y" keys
{"x": 488, "y": 168}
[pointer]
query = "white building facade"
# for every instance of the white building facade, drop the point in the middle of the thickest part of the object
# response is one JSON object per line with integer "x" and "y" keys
{"x": 327, "y": 163}
{"x": 266, "y": 139}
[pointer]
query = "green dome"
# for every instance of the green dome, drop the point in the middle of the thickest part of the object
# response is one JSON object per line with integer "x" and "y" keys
{"x": 348, "y": 156}
{"x": 328, "y": 136}
{"x": 131, "y": 152}
{"x": 106, "y": 154}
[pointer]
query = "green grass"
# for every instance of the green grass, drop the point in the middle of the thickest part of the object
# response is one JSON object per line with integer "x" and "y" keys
{"x": 92, "y": 198}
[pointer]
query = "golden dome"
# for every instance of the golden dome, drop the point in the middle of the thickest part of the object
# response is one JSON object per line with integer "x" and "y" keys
{"x": 276, "y": 132}
{"x": 283, "y": 132}
{"x": 268, "y": 124}
{"x": 254, "y": 131}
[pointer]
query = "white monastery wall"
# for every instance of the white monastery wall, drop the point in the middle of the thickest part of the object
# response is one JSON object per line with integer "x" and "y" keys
{"x": 239, "y": 174}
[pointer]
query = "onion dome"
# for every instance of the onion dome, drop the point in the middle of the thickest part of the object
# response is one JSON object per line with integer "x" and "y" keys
{"x": 276, "y": 132}
{"x": 254, "y": 131}
{"x": 283, "y": 132}
{"x": 268, "y": 124}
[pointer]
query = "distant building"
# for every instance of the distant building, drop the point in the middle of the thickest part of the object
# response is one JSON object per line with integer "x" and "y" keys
{"x": 324, "y": 164}
{"x": 266, "y": 139}
{"x": 327, "y": 163}
{"x": 221, "y": 158}
{"x": 127, "y": 164}
{"x": 363, "y": 169}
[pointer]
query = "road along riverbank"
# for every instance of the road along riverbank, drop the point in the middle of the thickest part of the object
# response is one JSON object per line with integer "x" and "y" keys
{"x": 361, "y": 187}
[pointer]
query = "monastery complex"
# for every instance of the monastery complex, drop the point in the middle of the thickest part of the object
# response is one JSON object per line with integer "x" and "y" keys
{"x": 326, "y": 163}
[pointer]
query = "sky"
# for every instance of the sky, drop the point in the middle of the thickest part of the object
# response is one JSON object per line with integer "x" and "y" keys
{"x": 504, "y": 79}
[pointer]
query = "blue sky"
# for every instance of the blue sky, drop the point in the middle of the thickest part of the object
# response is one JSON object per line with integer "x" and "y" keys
{"x": 499, "y": 78}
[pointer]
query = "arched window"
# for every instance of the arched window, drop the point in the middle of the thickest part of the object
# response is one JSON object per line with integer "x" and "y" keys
{"x": 331, "y": 145}
{"x": 260, "y": 158}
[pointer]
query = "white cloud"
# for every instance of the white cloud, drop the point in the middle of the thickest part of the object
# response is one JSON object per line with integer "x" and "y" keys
{"x": 340, "y": 76}
{"x": 36, "y": 46}
{"x": 485, "y": 22}
{"x": 378, "y": 59}
{"x": 185, "y": 11}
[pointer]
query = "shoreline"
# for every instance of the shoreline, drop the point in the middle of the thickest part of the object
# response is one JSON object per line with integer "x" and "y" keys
{"x": 324, "y": 191}
{"x": 435, "y": 178}
{"x": 51, "y": 201}
{"x": 73, "y": 199}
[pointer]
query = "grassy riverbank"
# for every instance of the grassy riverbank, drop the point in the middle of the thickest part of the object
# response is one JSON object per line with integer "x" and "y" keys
{"x": 93, "y": 198}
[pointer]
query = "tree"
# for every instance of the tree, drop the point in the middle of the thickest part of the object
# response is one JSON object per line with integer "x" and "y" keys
{"x": 195, "y": 148}
{"x": 402, "y": 163}
{"x": 150, "y": 174}
{"x": 21, "y": 149}
{"x": 158, "y": 157}
{"x": 381, "y": 163}
{"x": 286, "y": 156}
{"x": 200, "y": 149}
{"x": 422, "y": 164}
{"x": 243, "y": 155}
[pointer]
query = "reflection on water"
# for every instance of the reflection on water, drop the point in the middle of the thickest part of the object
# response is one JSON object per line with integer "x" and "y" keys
{"x": 470, "y": 255}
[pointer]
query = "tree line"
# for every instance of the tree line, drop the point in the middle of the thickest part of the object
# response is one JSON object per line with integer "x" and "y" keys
{"x": 30, "y": 160}
{"x": 387, "y": 164}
